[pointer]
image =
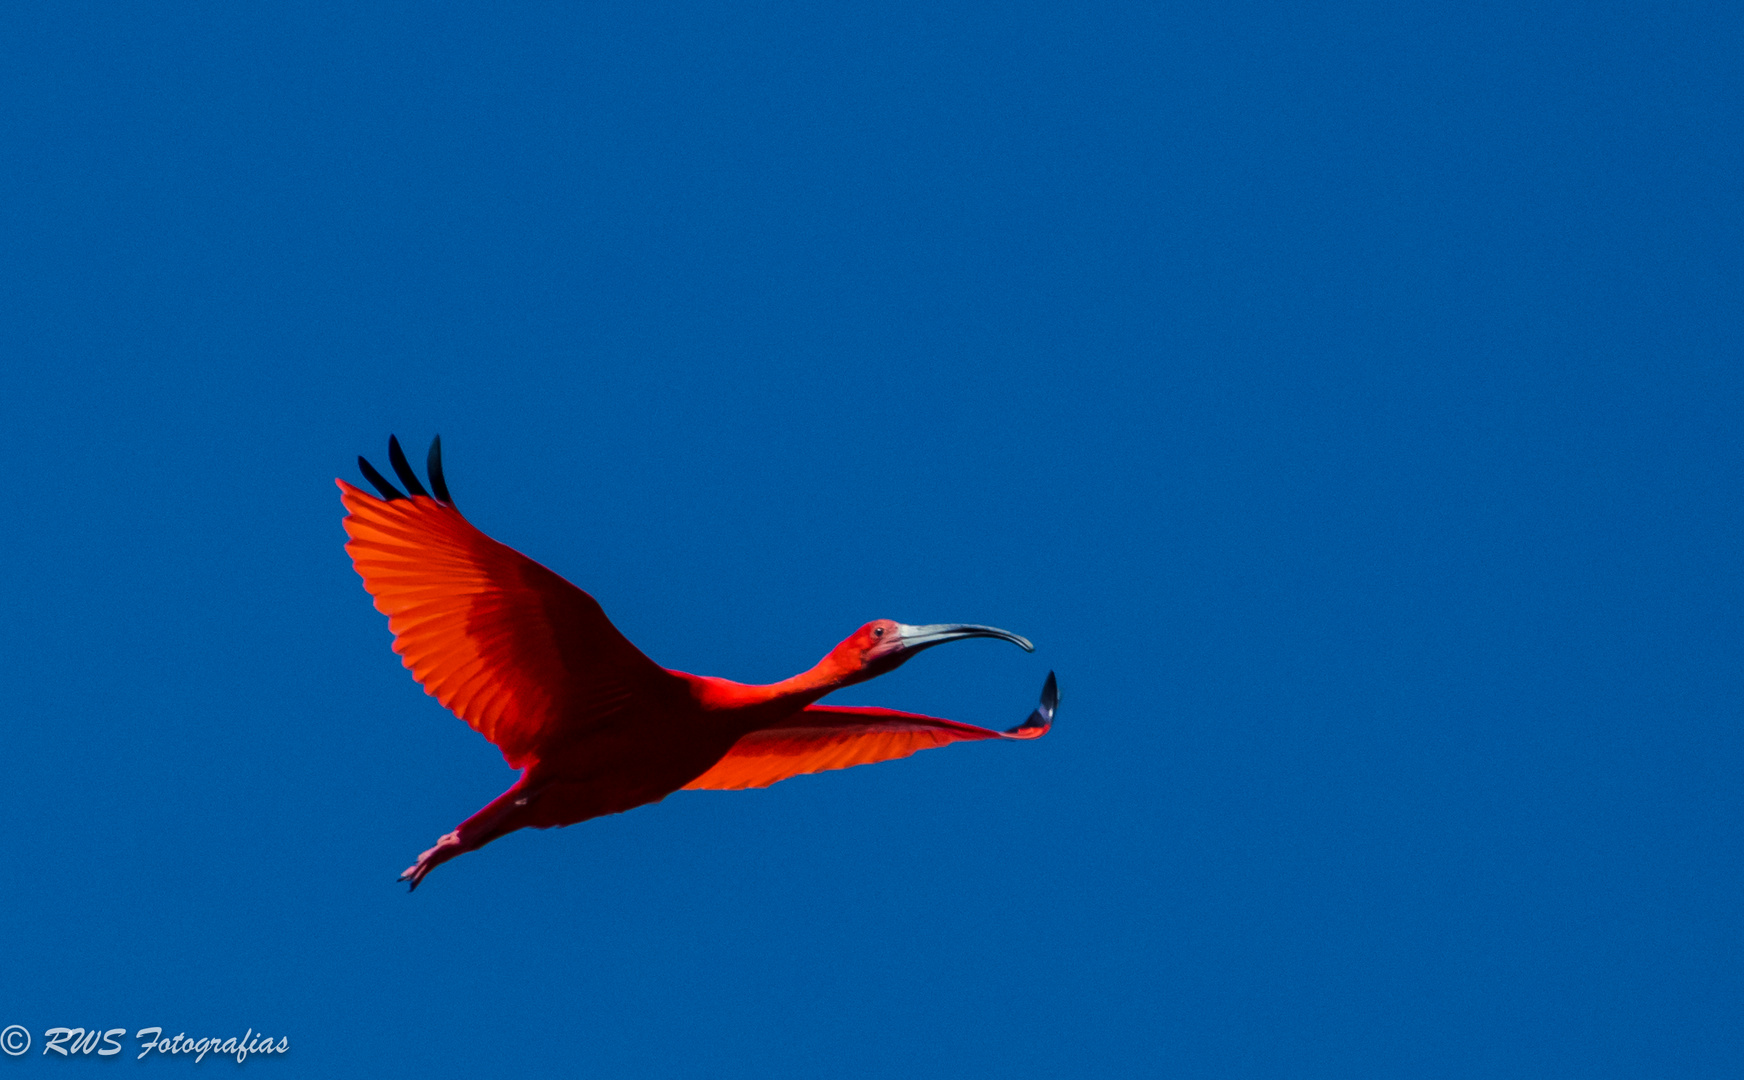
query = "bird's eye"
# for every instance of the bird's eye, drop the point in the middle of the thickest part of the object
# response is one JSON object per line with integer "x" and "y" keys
{"x": 878, "y": 631}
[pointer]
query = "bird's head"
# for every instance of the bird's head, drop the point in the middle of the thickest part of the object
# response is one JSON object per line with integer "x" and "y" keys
{"x": 884, "y": 645}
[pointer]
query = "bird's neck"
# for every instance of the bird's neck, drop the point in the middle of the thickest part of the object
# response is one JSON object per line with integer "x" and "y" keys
{"x": 786, "y": 696}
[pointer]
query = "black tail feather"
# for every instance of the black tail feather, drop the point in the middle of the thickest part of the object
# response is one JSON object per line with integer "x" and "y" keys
{"x": 433, "y": 465}
{"x": 403, "y": 468}
{"x": 388, "y": 491}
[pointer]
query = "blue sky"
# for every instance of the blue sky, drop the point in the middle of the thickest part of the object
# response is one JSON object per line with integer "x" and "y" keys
{"x": 1346, "y": 401}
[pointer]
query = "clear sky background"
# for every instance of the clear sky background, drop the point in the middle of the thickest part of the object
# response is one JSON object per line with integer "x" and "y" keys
{"x": 1346, "y": 400}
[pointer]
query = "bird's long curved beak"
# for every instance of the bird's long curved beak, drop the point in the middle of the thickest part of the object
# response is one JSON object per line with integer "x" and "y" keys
{"x": 925, "y": 637}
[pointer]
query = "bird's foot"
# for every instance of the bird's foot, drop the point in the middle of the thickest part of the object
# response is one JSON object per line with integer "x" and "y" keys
{"x": 441, "y": 853}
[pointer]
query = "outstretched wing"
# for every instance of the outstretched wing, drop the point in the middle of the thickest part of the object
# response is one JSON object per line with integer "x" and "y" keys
{"x": 823, "y": 737}
{"x": 507, "y": 645}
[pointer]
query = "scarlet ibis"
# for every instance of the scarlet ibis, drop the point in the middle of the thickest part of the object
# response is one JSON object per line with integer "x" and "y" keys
{"x": 534, "y": 665}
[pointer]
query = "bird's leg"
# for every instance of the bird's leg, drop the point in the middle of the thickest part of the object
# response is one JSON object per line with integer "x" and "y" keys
{"x": 493, "y": 821}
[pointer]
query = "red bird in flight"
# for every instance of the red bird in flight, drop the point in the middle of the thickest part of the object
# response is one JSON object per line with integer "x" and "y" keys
{"x": 595, "y": 727}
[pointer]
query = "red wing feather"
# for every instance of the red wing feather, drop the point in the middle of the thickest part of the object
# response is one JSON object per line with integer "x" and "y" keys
{"x": 505, "y": 644}
{"x": 822, "y": 738}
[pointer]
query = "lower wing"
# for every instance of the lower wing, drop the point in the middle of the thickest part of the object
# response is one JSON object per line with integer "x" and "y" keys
{"x": 823, "y": 738}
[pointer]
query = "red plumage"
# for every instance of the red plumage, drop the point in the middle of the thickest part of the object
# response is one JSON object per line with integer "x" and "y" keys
{"x": 533, "y": 664}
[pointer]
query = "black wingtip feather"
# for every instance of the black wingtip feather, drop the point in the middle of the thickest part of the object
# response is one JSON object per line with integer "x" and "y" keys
{"x": 433, "y": 465}
{"x": 388, "y": 491}
{"x": 1043, "y": 716}
{"x": 403, "y": 468}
